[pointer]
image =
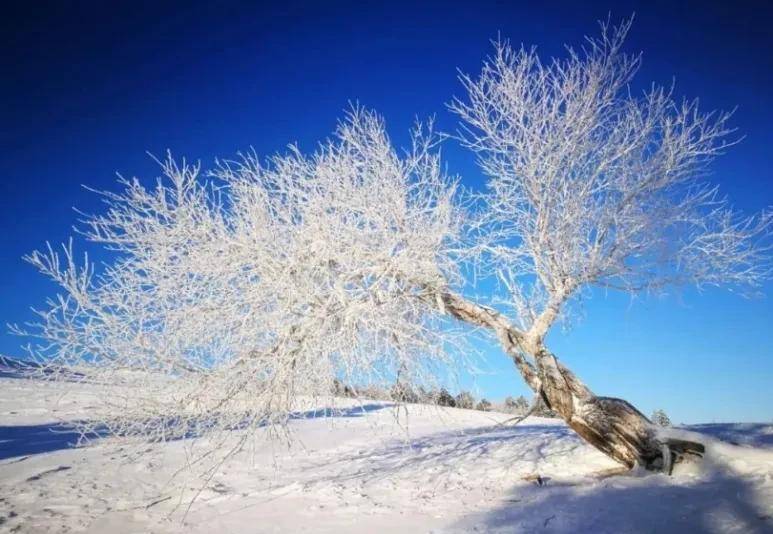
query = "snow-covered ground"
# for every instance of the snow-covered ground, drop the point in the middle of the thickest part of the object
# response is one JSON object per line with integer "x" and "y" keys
{"x": 369, "y": 468}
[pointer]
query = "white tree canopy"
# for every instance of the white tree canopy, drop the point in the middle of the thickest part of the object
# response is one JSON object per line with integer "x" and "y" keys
{"x": 229, "y": 297}
{"x": 590, "y": 185}
{"x": 238, "y": 294}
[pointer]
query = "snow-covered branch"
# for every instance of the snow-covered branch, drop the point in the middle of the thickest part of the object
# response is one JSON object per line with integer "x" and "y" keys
{"x": 229, "y": 299}
{"x": 591, "y": 185}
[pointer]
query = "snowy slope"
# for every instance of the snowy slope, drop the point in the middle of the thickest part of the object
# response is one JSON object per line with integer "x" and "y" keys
{"x": 370, "y": 468}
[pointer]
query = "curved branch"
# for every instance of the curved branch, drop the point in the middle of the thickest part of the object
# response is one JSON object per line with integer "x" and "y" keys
{"x": 513, "y": 341}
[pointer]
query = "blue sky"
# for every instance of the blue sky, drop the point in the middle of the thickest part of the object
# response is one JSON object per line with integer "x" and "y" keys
{"x": 89, "y": 87}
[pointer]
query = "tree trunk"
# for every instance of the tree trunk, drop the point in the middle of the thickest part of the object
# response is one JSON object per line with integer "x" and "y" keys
{"x": 611, "y": 425}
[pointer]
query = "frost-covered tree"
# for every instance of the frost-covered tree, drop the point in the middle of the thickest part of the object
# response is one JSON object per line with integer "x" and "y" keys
{"x": 483, "y": 405}
{"x": 230, "y": 298}
{"x": 518, "y": 406}
{"x": 660, "y": 418}
{"x": 464, "y": 400}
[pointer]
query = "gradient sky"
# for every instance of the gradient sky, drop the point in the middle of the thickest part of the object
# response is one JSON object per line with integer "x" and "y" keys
{"x": 89, "y": 87}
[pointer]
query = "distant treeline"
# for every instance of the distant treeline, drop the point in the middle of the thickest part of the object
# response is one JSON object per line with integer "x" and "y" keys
{"x": 439, "y": 397}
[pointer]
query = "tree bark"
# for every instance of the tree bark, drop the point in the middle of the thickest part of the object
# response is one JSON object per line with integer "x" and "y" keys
{"x": 611, "y": 425}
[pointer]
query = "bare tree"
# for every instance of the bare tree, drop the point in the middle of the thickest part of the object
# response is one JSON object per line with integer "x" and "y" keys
{"x": 229, "y": 300}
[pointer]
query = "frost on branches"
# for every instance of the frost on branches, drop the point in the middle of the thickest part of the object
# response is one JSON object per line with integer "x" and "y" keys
{"x": 232, "y": 296}
{"x": 229, "y": 298}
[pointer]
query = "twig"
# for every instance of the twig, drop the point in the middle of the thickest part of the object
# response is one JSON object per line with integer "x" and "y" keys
{"x": 159, "y": 501}
{"x": 519, "y": 418}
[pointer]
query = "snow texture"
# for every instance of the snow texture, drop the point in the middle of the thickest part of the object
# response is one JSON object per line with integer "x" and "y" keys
{"x": 368, "y": 467}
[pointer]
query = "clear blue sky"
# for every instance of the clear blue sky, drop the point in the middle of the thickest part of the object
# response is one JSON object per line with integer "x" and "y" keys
{"x": 88, "y": 87}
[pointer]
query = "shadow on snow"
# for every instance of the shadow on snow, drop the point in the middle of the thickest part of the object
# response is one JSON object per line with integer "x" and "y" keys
{"x": 27, "y": 440}
{"x": 721, "y": 502}
{"x": 651, "y": 503}
{"x": 446, "y": 452}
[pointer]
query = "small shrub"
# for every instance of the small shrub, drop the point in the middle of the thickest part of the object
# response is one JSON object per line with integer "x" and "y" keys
{"x": 660, "y": 418}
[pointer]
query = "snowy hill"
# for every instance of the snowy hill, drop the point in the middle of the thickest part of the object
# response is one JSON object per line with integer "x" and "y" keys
{"x": 370, "y": 467}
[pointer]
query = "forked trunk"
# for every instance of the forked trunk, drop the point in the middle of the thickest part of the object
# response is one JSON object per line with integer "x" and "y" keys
{"x": 611, "y": 425}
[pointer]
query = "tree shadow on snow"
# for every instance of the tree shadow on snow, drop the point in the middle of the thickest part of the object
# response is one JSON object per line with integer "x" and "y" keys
{"x": 448, "y": 451}
{"x": 651, "y": 503}
{"x": 27, "y": 440}
{"x": 26, "y": 370}
{"x": 647, "y": 504}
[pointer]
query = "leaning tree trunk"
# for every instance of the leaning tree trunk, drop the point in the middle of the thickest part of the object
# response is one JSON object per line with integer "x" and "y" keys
{"x": 611, "y": 425}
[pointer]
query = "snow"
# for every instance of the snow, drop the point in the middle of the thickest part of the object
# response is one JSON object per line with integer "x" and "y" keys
{"x": 370, "y": 467}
